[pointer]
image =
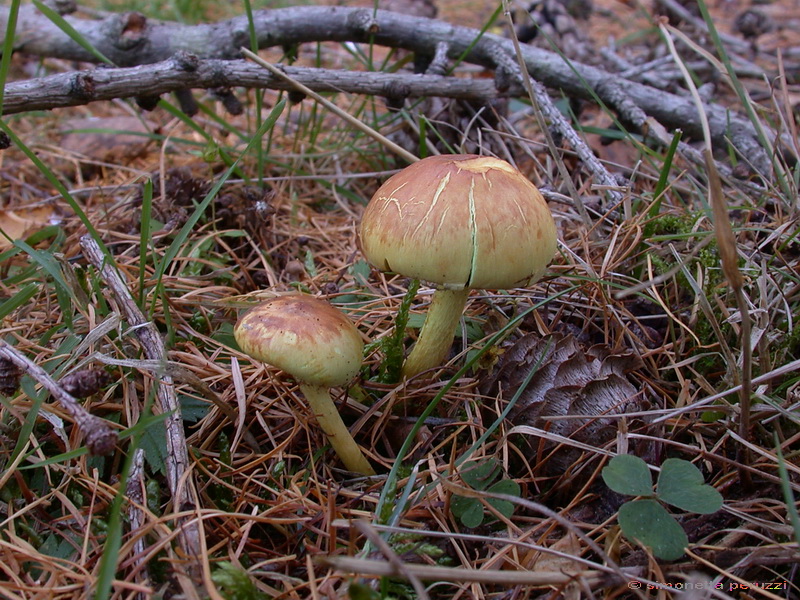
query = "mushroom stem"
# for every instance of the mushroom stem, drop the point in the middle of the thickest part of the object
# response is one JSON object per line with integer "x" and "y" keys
{"x": 437, "y": 332}
{"x": 331, "y": 423}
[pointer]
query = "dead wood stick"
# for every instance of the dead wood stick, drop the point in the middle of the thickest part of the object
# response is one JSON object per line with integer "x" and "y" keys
{"x": 136, "y": 492}
{"x": 100, "y": 437}
{"x": 434, "y": 573}
{"x": 179, "y": 478}
{"x": 81, "y": 87}
{"x": 131, "y": 39}
{"x": 394, "y": 561}
{"x": 546, "y": 112}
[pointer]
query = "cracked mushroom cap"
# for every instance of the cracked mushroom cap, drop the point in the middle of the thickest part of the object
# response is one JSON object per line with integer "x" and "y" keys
{"x": 460, "y": 221}
{"x": 304, "y": 336}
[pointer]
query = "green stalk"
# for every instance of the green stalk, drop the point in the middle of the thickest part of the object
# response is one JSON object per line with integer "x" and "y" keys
{"x": 437, "y": 332}
{"x": 334, "y": 428}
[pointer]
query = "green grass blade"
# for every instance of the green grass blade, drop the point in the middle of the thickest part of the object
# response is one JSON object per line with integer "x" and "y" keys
{"x": 8, "y": 48}
{"x": 210, "y": 141}
{"x": 37, "y": 398}
{"x": 21, "y": 298}
{"x": 140, "y": 427}
{"x": 188, "y": 227}
{"x": 411, "y": 437}
{"x": 49, "y": 265}
{"x": 185, "y": 119}
{"x": 663, "y": 176}
{"x": 259, "y": 94}
{"x": 791, "y": 507}
{"x": 70, "y": 31}
{"x": 465, "y": 456}
{"x": 661, "y": 184}
{"x": 495, "y": 15}
{"x": 110, "y": 556}
{"x": 745, "y": 100}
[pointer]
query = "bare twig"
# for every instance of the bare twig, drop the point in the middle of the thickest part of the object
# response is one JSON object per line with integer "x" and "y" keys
{"x": 178, "y": 474}
{"x": 366, "y": 529}
{"x": 136, "y": 493}
{"x": 131, "y": 39}
{"x": 546, "y": 110}
{"x": 426, "y": 572}
{"x": 100, "y": 437}
{"x": 81, "y": 87}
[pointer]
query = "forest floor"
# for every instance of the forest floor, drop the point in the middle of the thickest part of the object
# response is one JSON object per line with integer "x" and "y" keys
{"x": 489, "y": 468}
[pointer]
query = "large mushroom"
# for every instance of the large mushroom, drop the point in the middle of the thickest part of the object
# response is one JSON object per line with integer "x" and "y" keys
{"x": 317, "y": 345}
{"x": 460, "y": 222}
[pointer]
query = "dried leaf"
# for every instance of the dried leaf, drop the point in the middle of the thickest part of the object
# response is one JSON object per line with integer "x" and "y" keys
{"x": 22, "y": 221}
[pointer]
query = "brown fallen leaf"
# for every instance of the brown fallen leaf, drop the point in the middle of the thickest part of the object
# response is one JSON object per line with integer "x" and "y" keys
{"x": 22, "y": 221}
{"x": 557, "y": 563}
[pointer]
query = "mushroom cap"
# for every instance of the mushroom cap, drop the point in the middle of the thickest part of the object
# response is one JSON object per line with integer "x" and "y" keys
{"x": 304, "y": 336}
{"x": 460, "y": 220}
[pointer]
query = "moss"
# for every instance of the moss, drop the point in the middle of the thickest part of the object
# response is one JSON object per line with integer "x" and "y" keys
{"x": 671, "y": 227}
{"x": 669, "y": 224}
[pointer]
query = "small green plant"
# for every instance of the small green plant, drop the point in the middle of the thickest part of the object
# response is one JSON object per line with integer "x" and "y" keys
{"x": 393, "y": 589}
{"x": 235, "y": 584}
{"x": 393, "y": 345}
{"x": 482, "y": 477}
{"x": 679, "y": 484}
{"x": 414, "y": 544}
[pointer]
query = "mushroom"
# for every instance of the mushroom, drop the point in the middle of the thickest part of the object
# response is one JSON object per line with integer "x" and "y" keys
{"x": 460, "y": 222}
{"x": 317, "y": 345}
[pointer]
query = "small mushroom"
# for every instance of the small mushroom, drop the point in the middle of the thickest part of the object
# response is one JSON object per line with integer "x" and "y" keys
{"x": 317, "y": 345}
{"x": 460, "y": 222}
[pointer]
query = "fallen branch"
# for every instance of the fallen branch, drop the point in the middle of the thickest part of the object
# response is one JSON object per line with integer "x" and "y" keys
{"x": 485, "y": 576}
{"x": 131, "y": 39}
{"x": 136, "y": 492}
{"x": 100, "y": 438}
{"x": 179, "y": 480}
{"x": 186, "y": 71}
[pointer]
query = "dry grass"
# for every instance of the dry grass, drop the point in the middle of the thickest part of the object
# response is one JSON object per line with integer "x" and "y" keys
{"x": 271, "y": 499}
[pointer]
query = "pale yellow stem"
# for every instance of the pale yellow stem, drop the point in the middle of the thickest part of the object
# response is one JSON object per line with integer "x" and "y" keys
{"x": 437, "y": 332}
{"x": 334, "y": 428}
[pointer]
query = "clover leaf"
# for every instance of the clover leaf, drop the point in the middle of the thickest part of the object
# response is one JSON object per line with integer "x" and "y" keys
{"x": 680, "y": 484}
{"x": 470, "y": 510}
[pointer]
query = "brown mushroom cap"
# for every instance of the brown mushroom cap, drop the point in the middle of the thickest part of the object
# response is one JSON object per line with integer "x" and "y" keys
{"x": 304, "y": 336}
{"x": 460, "y": 221}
